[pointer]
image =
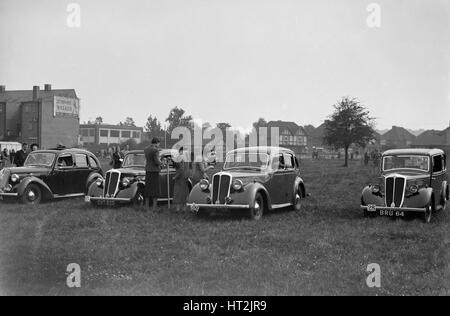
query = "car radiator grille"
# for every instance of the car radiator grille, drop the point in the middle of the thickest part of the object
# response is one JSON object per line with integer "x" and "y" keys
{"x": 221, "y": 188}
{"x": 395, "y": 191}
{"x": 112, "y": 181}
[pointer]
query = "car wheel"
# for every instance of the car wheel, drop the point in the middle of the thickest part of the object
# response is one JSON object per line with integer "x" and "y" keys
{"x": 139, "y": 198}
{"x": 298, "y": 202}
{"x": 256, "y": 212}
{"x": 32, "y": 195}
{"x": 428, "y": 214}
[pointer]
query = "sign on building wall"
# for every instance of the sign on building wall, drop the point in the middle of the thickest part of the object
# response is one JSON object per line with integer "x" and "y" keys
{"x": 66, "y": 107}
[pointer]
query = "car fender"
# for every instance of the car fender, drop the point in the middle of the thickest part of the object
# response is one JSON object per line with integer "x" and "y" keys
{"x": 46, "y": 192}
{"x": 130, "y": 192}
{"x": 92, "y": 177}
{"x": 94, "y": 190}
{"x": 249, "y": 195}
{"x": 368, "y": 197}
{"x": 199, "y": 196}
{"x": 299, "y": 184}
{"x": 419, "y": 200}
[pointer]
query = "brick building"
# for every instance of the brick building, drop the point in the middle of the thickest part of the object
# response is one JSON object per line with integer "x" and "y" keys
{"x": 47, "y": 117}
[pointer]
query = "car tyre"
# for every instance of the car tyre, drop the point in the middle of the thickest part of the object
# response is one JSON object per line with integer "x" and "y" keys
{"x": 298, "y": 202}
{"x": 256, "y": 212}
{"x": 139, "y": 198}
{"x": 32, "y": 195}
{"x": 428, "y": 214}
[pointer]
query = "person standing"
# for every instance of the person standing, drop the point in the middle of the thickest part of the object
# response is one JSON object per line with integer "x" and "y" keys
{"x": 12, "y": 155}
{"x": 197, "y": 171}
{"x": 21, "y": 155}
{"x": 152, "y": 170}
{"x": 116, "y": 161}
{"x": 180, "y": 187}
{"x": 34, "y": 147}
{"x": 4, "y": 158}
{"x": 366, "y": 158}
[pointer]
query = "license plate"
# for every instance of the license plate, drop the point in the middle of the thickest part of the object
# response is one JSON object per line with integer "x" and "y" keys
{"x": 87, "y": 199}
{"x": 371, "y": 208}
{"x": 392, "y": 213}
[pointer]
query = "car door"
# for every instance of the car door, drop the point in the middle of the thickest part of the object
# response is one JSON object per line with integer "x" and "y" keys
{"x": 290, "y": 176}
{"x": 81, "y": 172}
{"x": 277, "y": 184}
{"x": 438, "y": 176}
{"x": 63, "y": 174}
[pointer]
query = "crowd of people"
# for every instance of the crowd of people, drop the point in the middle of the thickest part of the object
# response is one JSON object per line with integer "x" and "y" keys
{"x": 10, "y": 158}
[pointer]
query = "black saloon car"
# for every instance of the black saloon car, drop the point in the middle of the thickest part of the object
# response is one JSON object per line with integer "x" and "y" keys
{"x": 50, "y": 174}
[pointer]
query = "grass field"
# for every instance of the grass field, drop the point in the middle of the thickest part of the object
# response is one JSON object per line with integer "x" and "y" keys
{"x": 325, "y": 249}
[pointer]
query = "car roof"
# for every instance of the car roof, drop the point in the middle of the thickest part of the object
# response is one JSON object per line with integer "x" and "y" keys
{"x": 65, "y": 151}
{"x": 163, "y": 151}
{"x": 261, "y": 149}
{"x": 414, "y": 151}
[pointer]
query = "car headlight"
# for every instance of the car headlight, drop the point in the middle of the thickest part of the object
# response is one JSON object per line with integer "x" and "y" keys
{"x": 15, "y": 178}
{"x": 125, "y": 182}
{"x": 413, "y": 188}
{"x": 8, "y": 188}
{"x": 237, "y": 185}
{"x": 204, "y": 185}
{"x": 99, "y": 182}
{"x": 376, "y": 188}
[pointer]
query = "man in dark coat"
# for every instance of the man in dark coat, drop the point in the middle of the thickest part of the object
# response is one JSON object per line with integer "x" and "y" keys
{"x": 21, "y": 155}
{"x": 152, "y": 170}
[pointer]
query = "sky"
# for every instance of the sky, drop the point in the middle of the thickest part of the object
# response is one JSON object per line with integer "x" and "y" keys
{"x": 235, "y": 60}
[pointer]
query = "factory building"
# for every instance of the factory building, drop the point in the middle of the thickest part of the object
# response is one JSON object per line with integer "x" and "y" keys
{"x": 104, "y": 135}
{"x": 47, "y": 117}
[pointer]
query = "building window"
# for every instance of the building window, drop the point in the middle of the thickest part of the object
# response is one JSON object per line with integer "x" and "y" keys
{"x": 136, "y": 135}
{"x": 103, "y": 133}
{"x": 114, "y": 133}
{"x": 85, "y": 132}
{"x": 91, "y": 132}
{"x": 126, "y": 134}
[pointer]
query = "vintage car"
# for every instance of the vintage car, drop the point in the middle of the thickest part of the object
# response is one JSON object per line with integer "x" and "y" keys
{"x": 252, "y": 180}
{"x": 126, "y": 185}
{"x": 413, "y": 181}
{"x": 50, "y": 174}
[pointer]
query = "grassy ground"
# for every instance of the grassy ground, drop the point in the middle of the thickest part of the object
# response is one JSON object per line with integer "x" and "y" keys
{"x": 325, "y": 249}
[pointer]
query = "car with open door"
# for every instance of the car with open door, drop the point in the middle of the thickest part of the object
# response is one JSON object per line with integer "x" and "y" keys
{"x": 253, "y": 180}
{"x": 127, "y": 184}
{"x": 412, "y": 182}
{"x": 50, "y": 174}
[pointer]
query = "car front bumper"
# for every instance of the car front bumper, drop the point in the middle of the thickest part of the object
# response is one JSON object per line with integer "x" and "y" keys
{"x": 105, "y": 200}
{"x": 7, "y": 194}
{"x": 377, "y": 209}
{"x": 196, "y": 207}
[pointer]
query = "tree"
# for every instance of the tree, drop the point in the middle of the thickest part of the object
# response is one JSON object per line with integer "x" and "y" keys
{"x": 153, "y": 127}
{"x": 349, "y": 124}
{"x": 178, "y": 118}
{"x": 129, "y": 121}
{"x": 223, "y": 126}
{"x": 260, "y": 123}
{"x": 98, "y": 120}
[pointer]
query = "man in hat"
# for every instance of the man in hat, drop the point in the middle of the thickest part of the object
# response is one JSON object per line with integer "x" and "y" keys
{"x": 152, "y": 170}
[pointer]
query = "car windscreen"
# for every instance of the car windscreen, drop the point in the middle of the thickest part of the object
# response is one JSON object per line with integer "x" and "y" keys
{"x": 246, "y": 160}
{"x": 134, "y": 160}
{"x": 40, "y": 159}
{"x": 406, "y": 162}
